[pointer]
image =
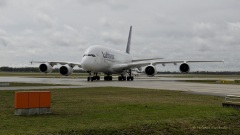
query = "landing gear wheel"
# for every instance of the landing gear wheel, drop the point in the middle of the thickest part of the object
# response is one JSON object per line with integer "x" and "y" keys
{"x": 107, "y": 78}
{"x": 130, "y": 77}
{"x": 122, "y": 78}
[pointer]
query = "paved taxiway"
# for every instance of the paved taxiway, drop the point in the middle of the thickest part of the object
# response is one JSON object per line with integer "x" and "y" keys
{"x": 166, "y": 83}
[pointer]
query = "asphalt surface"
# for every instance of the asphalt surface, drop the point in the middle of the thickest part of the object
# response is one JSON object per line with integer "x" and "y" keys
{"x": 165, "y": 83}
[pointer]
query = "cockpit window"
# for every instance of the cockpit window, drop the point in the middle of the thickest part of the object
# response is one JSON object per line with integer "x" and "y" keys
{"x": 93, "y": 55}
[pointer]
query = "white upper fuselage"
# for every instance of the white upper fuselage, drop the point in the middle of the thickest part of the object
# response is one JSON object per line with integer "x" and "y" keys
{"x": 101, "y": 59}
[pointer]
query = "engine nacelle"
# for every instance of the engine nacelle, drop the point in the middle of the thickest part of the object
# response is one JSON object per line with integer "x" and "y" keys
{"x": 150, "y": 70}
{"x": 66, "y": 70}
{"x": 184, "y": 68}
{"x": 45, "y": 68}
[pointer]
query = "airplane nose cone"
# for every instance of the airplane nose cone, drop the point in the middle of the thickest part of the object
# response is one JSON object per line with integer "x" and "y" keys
{"x": 87, "y": 63}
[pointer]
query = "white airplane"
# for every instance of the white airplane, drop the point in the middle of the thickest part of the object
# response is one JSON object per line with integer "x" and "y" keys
{"x": 99, "y": 59}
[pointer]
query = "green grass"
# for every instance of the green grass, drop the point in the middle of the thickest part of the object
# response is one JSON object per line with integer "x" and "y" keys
{"x": 237, "y": 82}
{"x": 17, "y": 84}
{"x": 113, "y": 110}
{"x": 236, "y": 76}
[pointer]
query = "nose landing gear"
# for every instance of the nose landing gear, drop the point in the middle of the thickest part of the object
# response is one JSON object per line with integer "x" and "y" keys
{"x": 94, "y": 77}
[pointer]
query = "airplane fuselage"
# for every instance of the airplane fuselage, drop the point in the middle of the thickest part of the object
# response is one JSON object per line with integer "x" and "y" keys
{"x": 101, "y": 59}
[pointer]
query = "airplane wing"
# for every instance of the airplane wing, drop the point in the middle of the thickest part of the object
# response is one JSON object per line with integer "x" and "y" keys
{"x": 182, "y": 61}
{"x": 142, "y": 64}
{"x": 72, "y": 64}
{"x": 136, "y": 60}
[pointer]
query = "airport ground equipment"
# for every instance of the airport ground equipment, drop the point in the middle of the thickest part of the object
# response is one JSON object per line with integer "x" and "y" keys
{"x": 32, "y": 102}
{"x": 232, "y": 101}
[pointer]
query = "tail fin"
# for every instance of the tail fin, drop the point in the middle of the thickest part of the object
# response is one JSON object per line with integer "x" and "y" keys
{"x": 129, "y": 41}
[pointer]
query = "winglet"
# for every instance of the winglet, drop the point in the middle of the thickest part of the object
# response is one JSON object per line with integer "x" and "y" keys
{"x": 129, "y": 41}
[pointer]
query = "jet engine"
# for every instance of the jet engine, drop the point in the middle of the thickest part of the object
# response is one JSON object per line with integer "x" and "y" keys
{"x": 150, "y": 70}
{"x": 66, "y": 70}
{"x": 45, "y": 68}
{"x": 184, "y": 68}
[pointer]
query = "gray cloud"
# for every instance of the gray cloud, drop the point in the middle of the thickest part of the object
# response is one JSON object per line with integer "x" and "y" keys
{"x": 113, "y": 4}
{"x": 62, "y": 30}
{"x": 3, "y": 3}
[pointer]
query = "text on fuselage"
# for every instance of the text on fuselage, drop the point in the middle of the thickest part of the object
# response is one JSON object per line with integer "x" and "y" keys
{"x": 108, "y": 55}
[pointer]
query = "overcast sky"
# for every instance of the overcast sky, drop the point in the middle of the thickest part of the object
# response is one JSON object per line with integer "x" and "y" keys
{"x": 60, "y": 30}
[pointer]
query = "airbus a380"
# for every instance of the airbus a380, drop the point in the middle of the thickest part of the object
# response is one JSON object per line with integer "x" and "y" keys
{"x": 99, "y": 59}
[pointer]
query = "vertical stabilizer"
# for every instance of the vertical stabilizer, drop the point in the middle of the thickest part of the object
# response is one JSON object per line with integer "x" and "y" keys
{"x": 129, "y": 41}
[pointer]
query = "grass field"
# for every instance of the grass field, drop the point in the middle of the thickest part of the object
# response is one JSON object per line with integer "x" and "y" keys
{"x": 236, "y": 76}
{"x": 113, "y": 110}
{"x": 231, "y": 82}
{"x": 16, "y": 84}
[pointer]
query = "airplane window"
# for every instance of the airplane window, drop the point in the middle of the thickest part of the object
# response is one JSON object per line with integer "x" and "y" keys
{"x": 93, "y": 55}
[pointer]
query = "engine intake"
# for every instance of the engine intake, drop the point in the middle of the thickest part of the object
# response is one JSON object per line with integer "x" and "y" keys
{"x": 150, "y": 70}
{"x": 66, "y": 70}
{"x": 45, "y": 68}
{"x": 184, "y": 68}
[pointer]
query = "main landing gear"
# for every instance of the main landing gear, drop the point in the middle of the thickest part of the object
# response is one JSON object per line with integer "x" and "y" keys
{"x": 96, "y": 77}
{"x": 124, "y": 78}
{"x": 128, "y": 78}
{"x": 109, "y": 77}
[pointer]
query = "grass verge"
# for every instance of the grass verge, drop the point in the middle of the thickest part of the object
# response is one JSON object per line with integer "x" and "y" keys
{"x": 16, "y": 84}
{"x": 189, "y": 75}
{"x": 111, "y": 110}
{"x": 236, "y": 82}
